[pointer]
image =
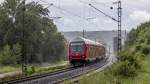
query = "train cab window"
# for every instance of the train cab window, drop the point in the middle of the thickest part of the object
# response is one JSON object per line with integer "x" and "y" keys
{"x": 76, "y": 47}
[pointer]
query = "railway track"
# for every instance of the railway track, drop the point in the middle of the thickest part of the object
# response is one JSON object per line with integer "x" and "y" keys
{"x": 59, "y": 76}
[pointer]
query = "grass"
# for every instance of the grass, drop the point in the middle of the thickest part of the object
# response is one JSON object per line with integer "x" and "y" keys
{"x": 107, "y": 76}
{"x": 50, "y": 68}
{"x": 38, "y": 69}
{"x": 5, "y": 69}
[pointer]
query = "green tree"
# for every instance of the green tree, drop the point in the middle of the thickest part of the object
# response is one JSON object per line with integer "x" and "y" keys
{"x": 17, "y": 52}
{"x": 7, "y": 56}
{"x": 41, "y": 38}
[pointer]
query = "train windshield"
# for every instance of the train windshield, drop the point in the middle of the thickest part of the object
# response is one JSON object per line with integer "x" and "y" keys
{"x": 76, "y": 47}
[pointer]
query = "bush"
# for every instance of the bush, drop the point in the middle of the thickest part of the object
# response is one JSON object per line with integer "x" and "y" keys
{"x": 148, "y": 41}
{"x": 138, "y": 47}
{"x": 125, "y": 55}
{"x": 146, "y": 50}
{"x": 126, "y": 69}
{"x": 129, "y": 64}
{"x": 30, "y": 70}
{"x": 141, "y": 40}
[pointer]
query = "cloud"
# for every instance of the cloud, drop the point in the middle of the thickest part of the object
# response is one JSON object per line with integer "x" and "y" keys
{"x": 67, "y": 21}
{"x": 1, "y": 1}
{"x": 140, "y": 16}
{"x": 134, "y": 13}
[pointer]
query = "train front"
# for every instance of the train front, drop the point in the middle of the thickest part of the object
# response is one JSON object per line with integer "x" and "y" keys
{"x": 77, "y": 53}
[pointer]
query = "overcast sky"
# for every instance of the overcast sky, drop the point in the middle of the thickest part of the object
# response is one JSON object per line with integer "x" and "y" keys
{"x": 77, "y": 15}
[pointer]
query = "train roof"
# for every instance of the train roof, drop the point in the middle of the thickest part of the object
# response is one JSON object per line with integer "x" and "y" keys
{"x": 87, "y": 41}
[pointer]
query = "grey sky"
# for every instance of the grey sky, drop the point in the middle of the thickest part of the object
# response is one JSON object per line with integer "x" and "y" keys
{"x": 75, "y": 14}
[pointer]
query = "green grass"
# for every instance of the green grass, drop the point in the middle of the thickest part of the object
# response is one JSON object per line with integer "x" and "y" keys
{"x": 107, "y": 76}
{"x": 38, "y": 69}
{"x": 5, "y": 69}
{"x": 52, "y": 68}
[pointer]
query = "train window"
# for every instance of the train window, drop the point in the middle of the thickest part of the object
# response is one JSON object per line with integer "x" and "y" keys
{"x": 76, "y": 47}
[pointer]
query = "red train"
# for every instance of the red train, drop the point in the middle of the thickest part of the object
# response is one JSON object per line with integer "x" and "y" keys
{"x": 83, "y": 50}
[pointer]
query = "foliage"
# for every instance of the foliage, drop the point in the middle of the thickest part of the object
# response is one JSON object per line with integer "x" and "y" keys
{"x": 126, "y": 69}
{"x": 7, "y": 56}
{"x": 107, "y": 76}
{"x": 131, "y": 37}
{"x": 41, "y": 40}
{"x": 17, "y": 52}
{"x": 129, "y": 64}
{"x": 137, "y": 48}
{"x": 146, "y": 50}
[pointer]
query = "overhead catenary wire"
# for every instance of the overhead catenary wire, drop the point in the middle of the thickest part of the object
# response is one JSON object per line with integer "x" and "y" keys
{"x": 101, "y": 3}
{"x": 61, "y": 10}
{"x": 68, "y": 12}
{"x": 94, "y": 2}
{"x": 44, "y": 1}
{"x": 103, "y": 13}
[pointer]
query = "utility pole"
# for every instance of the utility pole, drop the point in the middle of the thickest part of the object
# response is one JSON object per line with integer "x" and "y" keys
{"x": 119, "y": 10}
{"x": 23, "y": 57}
{"x": 118, "y": 20}
{"x": 83, "y": 34}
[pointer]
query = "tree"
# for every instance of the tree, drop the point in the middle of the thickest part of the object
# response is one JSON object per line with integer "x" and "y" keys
{"x": 41, "y": 38}
{"x": 17, "y": 52}
{"x": 7, "y": 57}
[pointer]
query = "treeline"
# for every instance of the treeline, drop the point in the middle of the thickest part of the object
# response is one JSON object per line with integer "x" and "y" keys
{"x": 39, "y": 38}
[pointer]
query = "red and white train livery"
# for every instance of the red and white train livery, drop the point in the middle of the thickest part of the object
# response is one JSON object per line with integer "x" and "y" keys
{"x": 83, "y": 50}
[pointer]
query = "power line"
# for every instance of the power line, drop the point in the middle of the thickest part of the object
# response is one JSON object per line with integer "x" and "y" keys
{"x": 103, "y": 13}
{"x": 51, "y": 4}
{"x": 62, "y": 17}
{"x": 119, "y": 22}
{"x": 69, "y": 12}
{"x": 85, "y": 19}
{"x": 44, "y": 1}
{"x": 101, "y": 3}
{"x": 94, "y": 2}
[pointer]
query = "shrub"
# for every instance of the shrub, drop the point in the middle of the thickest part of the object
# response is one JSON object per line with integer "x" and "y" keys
{"x": 129, "y": 64}
{"x": 138, "y": 47}
{"x": 30, "y": 70}
{"x": 126, "y": 69}
{"x": 141, "y": 40}
{"x": 146, "y": 50}
{"x": 148, "y": 41}
{"x": 125, "y": 55}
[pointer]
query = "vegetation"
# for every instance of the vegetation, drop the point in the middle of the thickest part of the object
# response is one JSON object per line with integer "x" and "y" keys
{"x": 32, "y": 70}
{"x": 6, "y": 69}
{"x": 133, "y": 63}
{"x": 38, "y": 69}
{"x": 108, "y": 76}
{"x": 42, "y": 41}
